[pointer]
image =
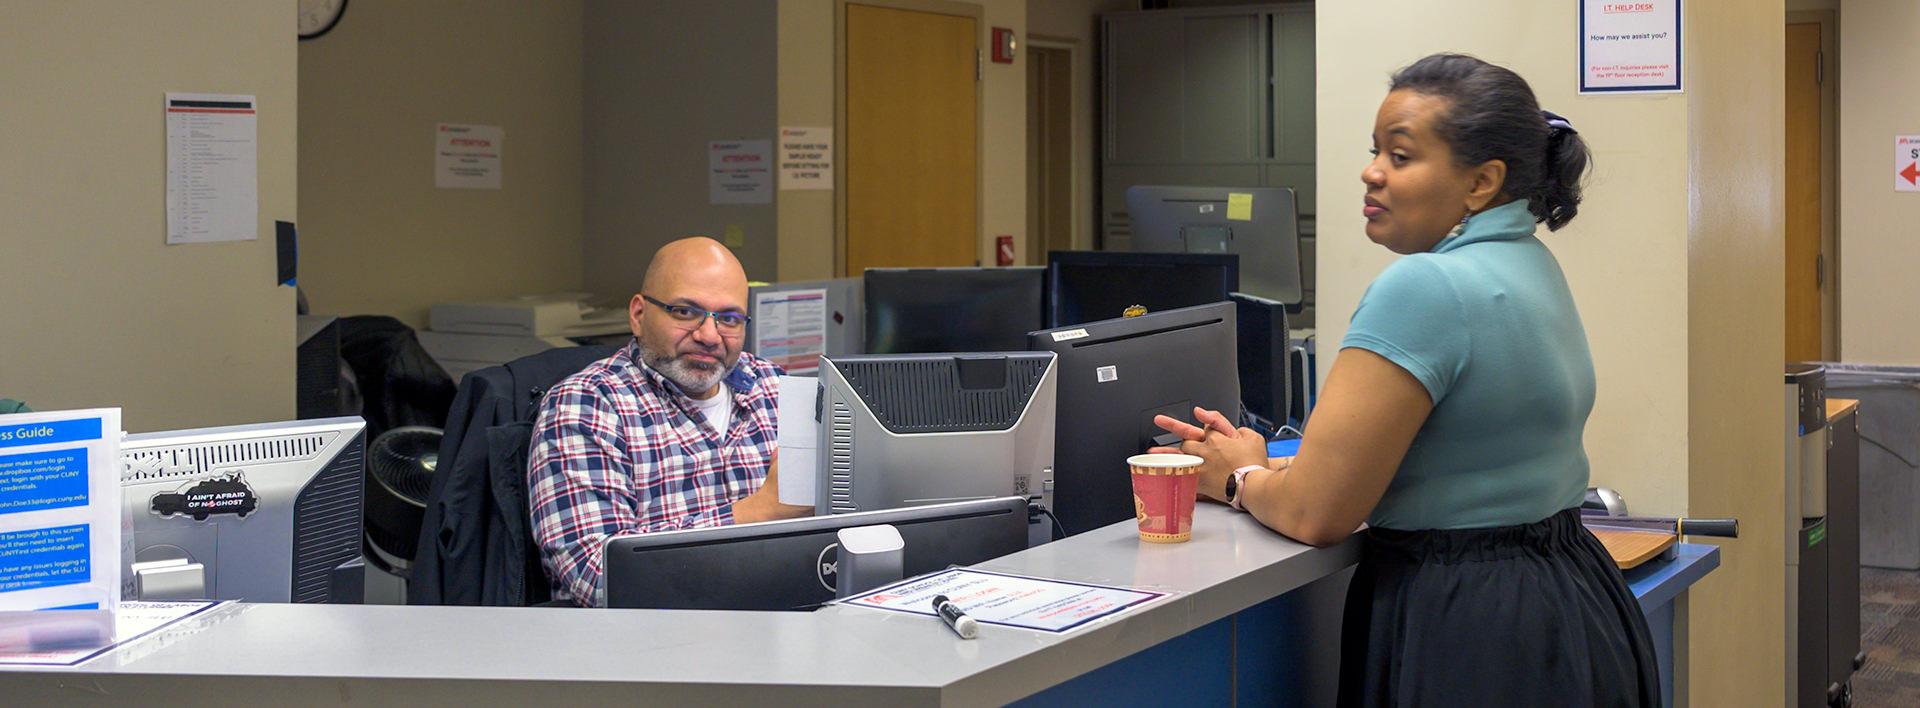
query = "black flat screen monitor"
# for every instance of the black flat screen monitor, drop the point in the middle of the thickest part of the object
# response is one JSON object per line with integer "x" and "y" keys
{"x": 787, "y": 565}
{"x": 929, "y": 310}
{"x": 1264, "y": 384}
{"x": 1260, "y": 224}
{"x": 1115, "y": 375}
{"x": 1089, "y": 286}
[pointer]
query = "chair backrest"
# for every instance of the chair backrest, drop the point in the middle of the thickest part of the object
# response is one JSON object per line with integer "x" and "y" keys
{"x": 476, "y": 547}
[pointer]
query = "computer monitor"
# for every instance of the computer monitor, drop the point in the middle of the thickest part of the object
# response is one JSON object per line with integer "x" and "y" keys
{"x": 1115, "y": 375}
{"x": 1260, "y": 224}
{"x": 1265, "y": 387}
{"x": 790, "y": 565}
{"x": 1089, "y": 286}
{"x": 921, "y": 310}
{"x": 908, "y": 429}
{"x": 794, "y": 323}
{"x": 271, "y": 511}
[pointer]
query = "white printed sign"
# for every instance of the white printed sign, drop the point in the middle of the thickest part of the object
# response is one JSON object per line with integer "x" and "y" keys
{"x": 806, "y": 158}
{"x": 212, "y": 168}
{"x": 1629, "y": 46}
{"x": 467, "y": 156}
{"x": 740, "y": 172}
{"x": 1906, "y": 163}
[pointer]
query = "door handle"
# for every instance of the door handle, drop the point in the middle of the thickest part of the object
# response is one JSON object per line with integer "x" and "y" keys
{"x": 1820, "y": 270}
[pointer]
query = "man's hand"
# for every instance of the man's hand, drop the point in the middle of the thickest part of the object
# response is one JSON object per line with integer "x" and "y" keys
{"x": 764, "y": 504}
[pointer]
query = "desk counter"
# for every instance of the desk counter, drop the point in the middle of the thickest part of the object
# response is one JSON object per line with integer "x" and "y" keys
{"x": 298, "y": 655}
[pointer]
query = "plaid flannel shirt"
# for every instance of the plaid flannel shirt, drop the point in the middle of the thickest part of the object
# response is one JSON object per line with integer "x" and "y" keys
{"x": 619, "y": 449}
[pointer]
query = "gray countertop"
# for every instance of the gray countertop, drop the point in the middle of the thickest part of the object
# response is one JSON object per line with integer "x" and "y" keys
{"x": 292, "y": 655}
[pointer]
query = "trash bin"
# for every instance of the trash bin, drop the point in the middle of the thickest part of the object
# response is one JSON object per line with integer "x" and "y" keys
{"x": 1889, "y": 399}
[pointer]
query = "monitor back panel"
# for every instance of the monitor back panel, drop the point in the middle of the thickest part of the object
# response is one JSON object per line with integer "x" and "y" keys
{"x": 1115, "y": 376}
{"x": 1200, "y": 220}
{"x": 909, "y": 429}
{"x": 270, "y": 514}
{"x": 1092, "y": 286}
{"x": 925, "y": 310}
{"x": 792, "y": 565}
{"x": 1264, "y": 359}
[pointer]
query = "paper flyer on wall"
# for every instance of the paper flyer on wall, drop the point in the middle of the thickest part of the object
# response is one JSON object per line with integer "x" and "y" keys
{"x": 60, "y": 526}
{"x": 1009, "y": 600}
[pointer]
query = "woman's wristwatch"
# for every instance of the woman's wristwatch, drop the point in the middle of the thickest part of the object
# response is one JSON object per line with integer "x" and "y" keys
{"x": 1237, "y": 486}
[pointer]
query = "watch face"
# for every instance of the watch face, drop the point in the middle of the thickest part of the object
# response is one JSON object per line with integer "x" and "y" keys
{"x": 318, "y": 16}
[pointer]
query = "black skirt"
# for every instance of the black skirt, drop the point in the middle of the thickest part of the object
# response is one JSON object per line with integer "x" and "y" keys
{"x": 1529, "y": 615}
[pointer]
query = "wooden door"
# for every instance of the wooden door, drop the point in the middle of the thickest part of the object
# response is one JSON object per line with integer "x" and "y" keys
{"x": 1049, "y": 152}
{"x": 912, "y": 139}
{"x": 1805, "y": 265}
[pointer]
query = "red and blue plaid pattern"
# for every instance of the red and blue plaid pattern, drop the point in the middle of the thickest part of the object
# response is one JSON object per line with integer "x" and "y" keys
{"x": 619, "y": 449}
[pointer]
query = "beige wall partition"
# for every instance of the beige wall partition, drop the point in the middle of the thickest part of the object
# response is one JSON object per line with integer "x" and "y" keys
{"x": 1879, "y": 99}
{"x": 1076, "y": 24}
{"x": 807, "y": 47}
{"x": 1688, "y": 373}
{"x": 1736, "y": 298}
{"x": 99, "y": 310}
{"x": 664, "y": 78}
{"x": 805, "y": 88}
{"x": 1625, "y": 255}
{"x": 377, "y": 237}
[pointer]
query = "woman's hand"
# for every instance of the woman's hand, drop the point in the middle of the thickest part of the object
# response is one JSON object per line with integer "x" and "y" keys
{"x": 1221, "y": 448}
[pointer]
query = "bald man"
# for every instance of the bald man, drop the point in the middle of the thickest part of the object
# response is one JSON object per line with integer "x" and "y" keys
{"x": 675, "y": 431}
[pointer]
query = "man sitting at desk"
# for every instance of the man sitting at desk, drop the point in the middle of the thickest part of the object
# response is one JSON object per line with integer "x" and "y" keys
{"x": 674, "y": 431}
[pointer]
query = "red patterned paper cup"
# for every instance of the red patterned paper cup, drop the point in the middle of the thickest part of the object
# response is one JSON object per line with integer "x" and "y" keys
{"x": 1164, "y": 487}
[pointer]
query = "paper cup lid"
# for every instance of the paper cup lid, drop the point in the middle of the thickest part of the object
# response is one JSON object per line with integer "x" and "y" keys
{"x": 1162, "y": 459}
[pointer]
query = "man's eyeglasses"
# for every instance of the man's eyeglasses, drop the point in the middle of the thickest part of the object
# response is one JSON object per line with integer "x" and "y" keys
{"x": 692, "y": 317}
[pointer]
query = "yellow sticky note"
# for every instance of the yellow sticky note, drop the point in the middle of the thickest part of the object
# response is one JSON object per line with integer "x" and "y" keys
{"x": 735, "y": 236}
{"x": 1239, "y": 206}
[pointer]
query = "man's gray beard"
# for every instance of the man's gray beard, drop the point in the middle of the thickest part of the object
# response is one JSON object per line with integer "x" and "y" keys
{"x": 690, "y": 378}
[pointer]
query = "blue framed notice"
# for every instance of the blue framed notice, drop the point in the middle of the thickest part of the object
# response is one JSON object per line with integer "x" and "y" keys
{"x": 60, "y": 511}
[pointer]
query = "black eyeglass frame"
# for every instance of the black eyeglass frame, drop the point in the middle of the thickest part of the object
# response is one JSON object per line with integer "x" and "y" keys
{"x": 699, "y": 317}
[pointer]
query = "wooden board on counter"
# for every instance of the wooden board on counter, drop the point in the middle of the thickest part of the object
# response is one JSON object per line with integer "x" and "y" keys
{"x": 1631, "y": 548}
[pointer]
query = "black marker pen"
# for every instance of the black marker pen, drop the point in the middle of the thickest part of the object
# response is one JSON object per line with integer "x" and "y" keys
{"x": 959, "y": 621}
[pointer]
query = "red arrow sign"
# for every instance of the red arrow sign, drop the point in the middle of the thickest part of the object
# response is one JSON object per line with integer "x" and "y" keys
{"x": 1911, "y": 173}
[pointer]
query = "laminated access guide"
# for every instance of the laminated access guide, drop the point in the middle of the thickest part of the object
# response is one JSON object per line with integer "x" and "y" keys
{"x": 60, "y": 525}
{"x": 1009, "y": 600}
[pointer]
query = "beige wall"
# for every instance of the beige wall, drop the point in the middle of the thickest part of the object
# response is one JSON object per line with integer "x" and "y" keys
{"x": 1076, "y": 24}
{"x": 376, "y": 236}
{"x": 1879, "y": 99}
{"x": 1736, "y": 297}
{"x": 99, "y": 310}
{"x": 1681, "y": 209}
{"x": 806, "y": 97}
{"x": 804, "y": 84}
{"x": 1625, "y": 255}
{"x": 663, "y": 78}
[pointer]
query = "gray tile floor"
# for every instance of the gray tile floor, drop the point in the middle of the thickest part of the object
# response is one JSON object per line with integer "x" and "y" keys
{"x": 1890, "y": 636}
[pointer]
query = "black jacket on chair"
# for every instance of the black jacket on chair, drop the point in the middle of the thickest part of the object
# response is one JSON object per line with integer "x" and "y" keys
{"x": 476, "y": 545}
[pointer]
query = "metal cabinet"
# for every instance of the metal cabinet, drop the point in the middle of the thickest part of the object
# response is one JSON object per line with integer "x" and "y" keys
{"x": 1208, "y": 97}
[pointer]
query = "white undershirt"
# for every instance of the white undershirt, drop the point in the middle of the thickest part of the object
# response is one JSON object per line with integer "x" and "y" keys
{"x": 718, "y": 408}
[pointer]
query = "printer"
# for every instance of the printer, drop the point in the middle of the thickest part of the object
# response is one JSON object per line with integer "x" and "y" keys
{"x": 465, "y": 336}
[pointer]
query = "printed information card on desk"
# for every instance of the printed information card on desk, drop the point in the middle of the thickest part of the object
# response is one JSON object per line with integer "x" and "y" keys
{"x": 1007, "y": 600}
{"x": 133, "y": 620}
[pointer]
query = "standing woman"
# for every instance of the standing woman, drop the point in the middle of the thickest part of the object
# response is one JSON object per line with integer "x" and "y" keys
{"x": 1451, "y": 422}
